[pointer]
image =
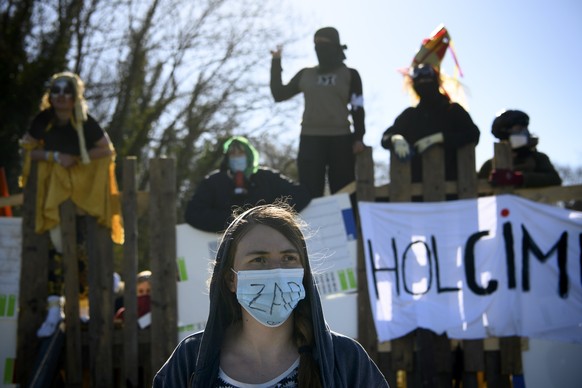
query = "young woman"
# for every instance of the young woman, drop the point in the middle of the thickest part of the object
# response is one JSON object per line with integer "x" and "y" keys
{"x": 75, "y": 160}
{"x": 266, "y": 326}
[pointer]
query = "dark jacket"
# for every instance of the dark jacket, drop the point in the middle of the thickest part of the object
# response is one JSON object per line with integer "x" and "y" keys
{"x": 536, "y": 167}
{"x": 210, "y": 208}
{"x": 451, "y": 119}
{"x": 195, "y": 361}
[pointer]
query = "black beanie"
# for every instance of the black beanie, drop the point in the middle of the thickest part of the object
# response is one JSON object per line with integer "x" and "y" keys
{"x": 331, "y": 34}
{"x": 507, "y": 119}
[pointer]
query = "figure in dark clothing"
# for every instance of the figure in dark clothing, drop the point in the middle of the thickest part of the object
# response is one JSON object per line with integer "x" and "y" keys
{"x": 436, "y": 119}
{"x": 531, "y": 168}
{"x": 239, "y": 182}
{"x": 266, "y": 325}
{"x": 332, "y": 93}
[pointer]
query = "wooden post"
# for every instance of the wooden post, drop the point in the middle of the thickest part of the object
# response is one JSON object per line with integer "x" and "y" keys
{"x": 130, "y": 250}
{"x": 162, "y": 207}
{"x": 402, "y": 348}
{"x": 100, "y": 272}
{"x": 400, "y": 180}
{"x": 433, "y": 351}
{"x": 473, "y": 350}
{"x": 365, "y": 192}
{"x": 467, "y": 182}
{"x": 73, "y": 364}
{"x": 509, "y": 347}
{"x": 33, "y": 284}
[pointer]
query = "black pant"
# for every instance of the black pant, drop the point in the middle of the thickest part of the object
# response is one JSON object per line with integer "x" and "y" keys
{"x": 321, "y": 154}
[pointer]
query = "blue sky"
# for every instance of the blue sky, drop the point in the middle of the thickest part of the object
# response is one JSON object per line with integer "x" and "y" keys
{"x": 514, "y": 54}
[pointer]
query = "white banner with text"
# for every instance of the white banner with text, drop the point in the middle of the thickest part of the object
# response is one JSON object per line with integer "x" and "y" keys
{"x": 487, "y": 267}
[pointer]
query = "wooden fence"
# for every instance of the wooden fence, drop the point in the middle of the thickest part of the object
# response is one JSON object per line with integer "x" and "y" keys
{"x": 98, "y": 354}
{"x": 422, "y": 358}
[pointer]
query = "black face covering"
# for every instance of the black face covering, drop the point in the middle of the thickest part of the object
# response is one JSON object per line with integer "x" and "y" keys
{"x": 329, "y": 56}
{"x": 427, "y": 90}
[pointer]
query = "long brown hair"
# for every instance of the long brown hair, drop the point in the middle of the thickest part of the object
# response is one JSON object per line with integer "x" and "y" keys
{"x": 281, "y": 217}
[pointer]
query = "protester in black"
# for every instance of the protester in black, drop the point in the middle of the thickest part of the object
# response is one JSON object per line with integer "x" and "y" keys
{"x": 436, "y": 119}
{"x": 333, "y": 93}
{"x": 531, "y": 168}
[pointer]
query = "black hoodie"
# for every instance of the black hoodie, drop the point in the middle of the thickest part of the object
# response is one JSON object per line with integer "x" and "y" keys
{"x": 195, "y": 361}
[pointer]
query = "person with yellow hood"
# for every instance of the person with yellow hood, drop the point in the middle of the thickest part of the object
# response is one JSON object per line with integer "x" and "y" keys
{"x": 75, "y": 161}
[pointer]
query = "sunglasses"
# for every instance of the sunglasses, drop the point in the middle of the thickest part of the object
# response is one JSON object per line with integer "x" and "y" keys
{"x": 65, "y": 90}
{"x": 423, "y": 71}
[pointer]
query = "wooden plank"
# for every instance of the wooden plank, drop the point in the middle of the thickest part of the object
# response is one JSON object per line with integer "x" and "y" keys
{"x": 403, "y": 353}
{"x": 402, "y": 349}
{"x": 130, "y": 252}
{"x": 430, "y": 349}
{"x": 73, "y": 363}
{"x": 473, "y": 350}
{"x": 100, "y": 273}
{"x": 502, "y": 159}
{"x": 509, "y": 347}
{"x": 387, "y": 369}
{"x": 551, "y": 194}
{"x": 425, "y": 366}
{"x": 365, "y": 192}
{"x": 33, "y": 284}
{"x": 493, "y": 370}
{"x": 510, "y": 350}
{"x": 473, "y": 356}
{"x": 400, "y": 189}
{"x": 466, "y": 177}
{"x": 162, "y": 222}
{"x": 433, "y": 174}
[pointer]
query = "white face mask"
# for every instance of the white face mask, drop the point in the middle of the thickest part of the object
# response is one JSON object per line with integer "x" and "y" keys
{"x": 270, "y": 296}
{"x": 518, "y": 140}
{"x": 237, "y": 163}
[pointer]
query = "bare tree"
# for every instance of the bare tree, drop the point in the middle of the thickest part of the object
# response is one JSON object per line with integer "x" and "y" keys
{"x": 164, "y": 77}
{"x": 570, "y": 175}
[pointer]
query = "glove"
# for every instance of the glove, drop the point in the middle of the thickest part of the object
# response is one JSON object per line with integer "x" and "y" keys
{"x": 422, "y": 144}
{"x": 401, "y": 147}
{"x": 504, "y": 177}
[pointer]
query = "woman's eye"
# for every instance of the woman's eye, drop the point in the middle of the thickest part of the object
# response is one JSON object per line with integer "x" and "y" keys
{"x": 290, "y": 258}
{"x": 259, "y": 259}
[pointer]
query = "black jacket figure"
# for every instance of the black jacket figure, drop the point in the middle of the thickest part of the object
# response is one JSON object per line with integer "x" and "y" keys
{"x": 332, "y": 93}
{"x": 531, "y": 168}
{"x": 435, "y": 120}
{"x": 211, "y": 206}
{"x": 323, "y": 358}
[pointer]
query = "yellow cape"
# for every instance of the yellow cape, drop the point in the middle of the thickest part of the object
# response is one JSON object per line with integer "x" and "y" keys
{"x": 92, "y": 187}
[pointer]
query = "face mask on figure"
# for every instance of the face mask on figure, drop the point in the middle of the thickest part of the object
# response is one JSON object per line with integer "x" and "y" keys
{"x": 267, "y": 275}
{"x": 425, "y": 82}
{"x": 329, "y": 56}
{"x": 270, "y": 296}
{"x": 330, "y": 53}
{"x": 521, "y": 139}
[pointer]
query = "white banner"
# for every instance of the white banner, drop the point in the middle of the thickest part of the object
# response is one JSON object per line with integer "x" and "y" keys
{"x": 10, "y": 252}
{"x": 493, "y": 266}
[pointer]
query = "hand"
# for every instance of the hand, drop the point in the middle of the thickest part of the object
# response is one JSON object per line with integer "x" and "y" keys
{"x": 422, "y": 144}
{"x": 66, "y": 160}
{"x": 277, "y": 52}
{"x": 358, "y": 146}
{"x": 505, "y": 177}
{"x": 401, "y": 147}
